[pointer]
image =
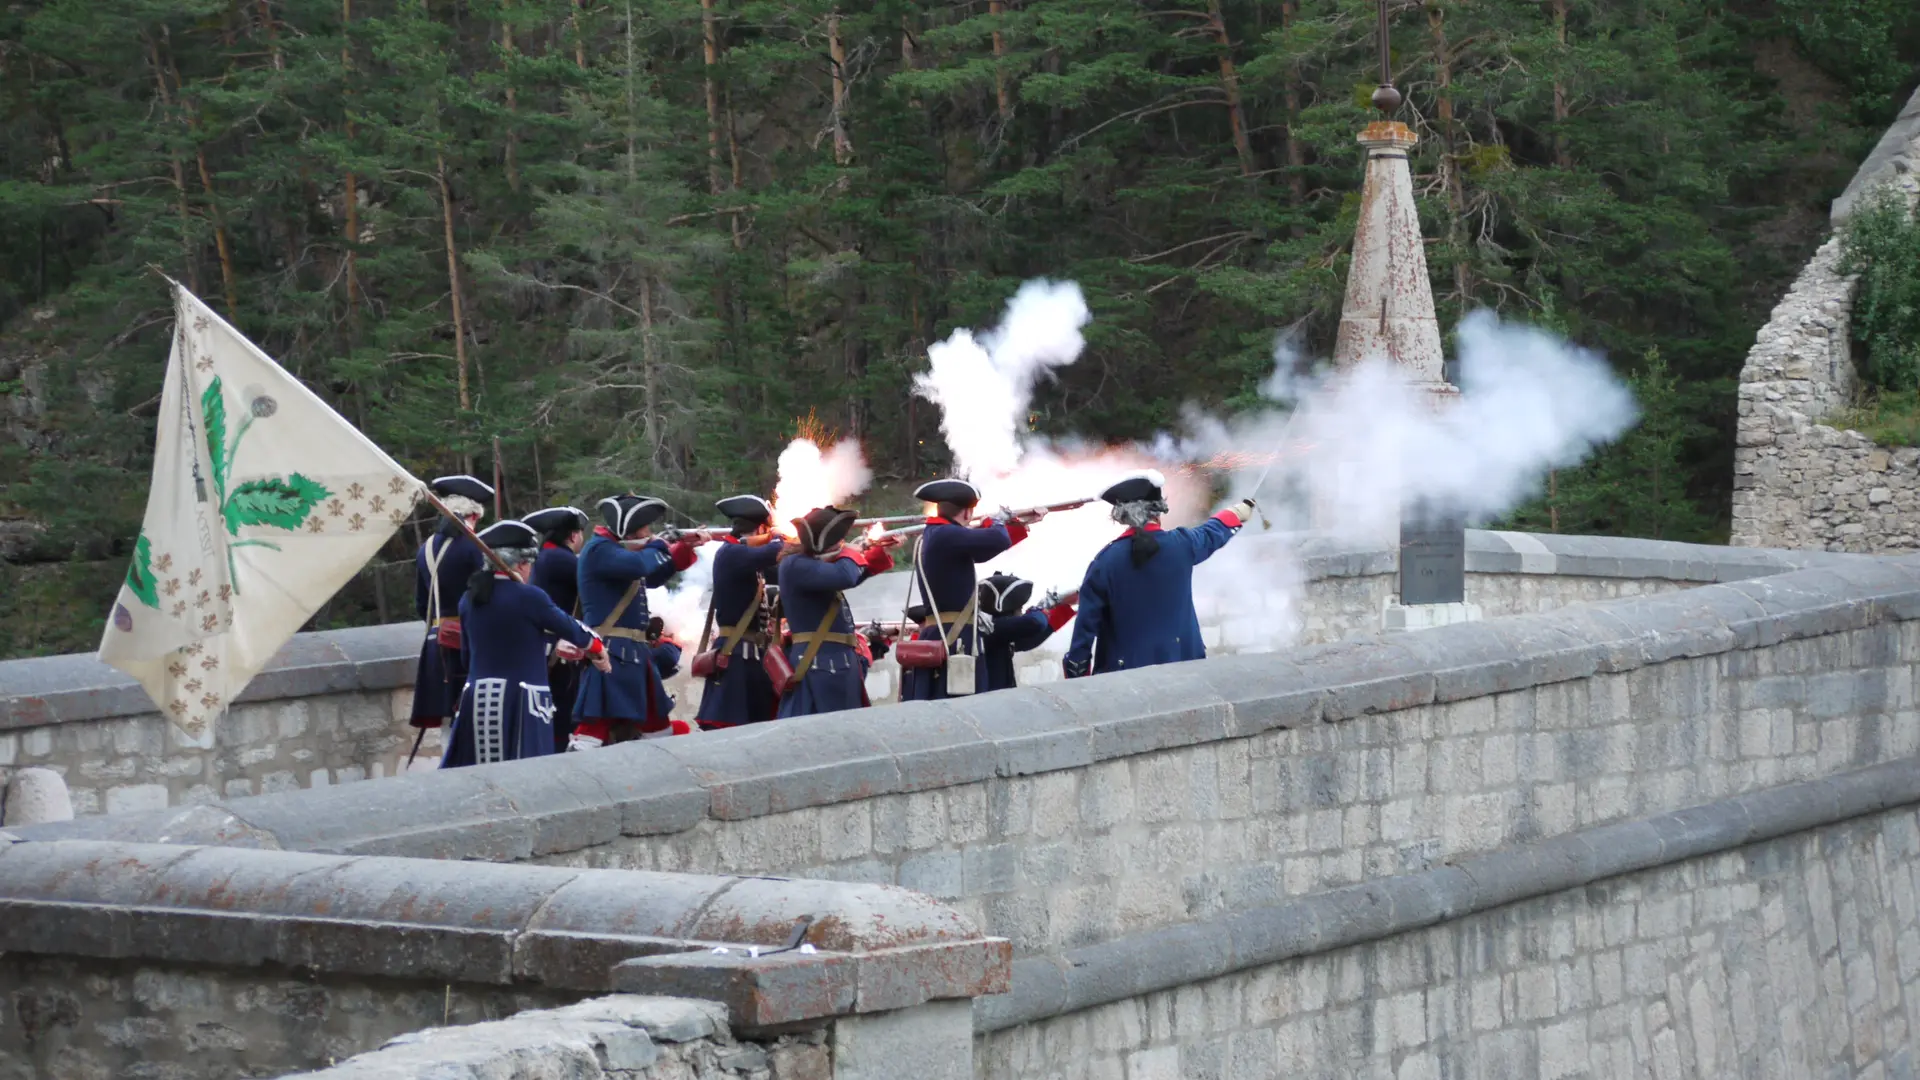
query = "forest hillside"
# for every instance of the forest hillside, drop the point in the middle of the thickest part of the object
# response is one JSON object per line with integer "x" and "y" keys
{"x": 636, "y": 243}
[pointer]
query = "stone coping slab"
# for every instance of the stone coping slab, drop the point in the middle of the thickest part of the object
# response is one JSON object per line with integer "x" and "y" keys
{"x": 1155, "y": 960}
{"x": 492, "y": 923}
{"x": 46, "y": 690}
{"x": 520, "y": 810}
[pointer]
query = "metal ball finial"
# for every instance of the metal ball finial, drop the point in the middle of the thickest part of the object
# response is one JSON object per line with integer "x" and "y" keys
{"x": 1386, "y": 98}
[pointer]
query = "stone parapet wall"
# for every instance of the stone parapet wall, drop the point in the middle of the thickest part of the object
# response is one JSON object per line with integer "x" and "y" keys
{"x": 213, "y": 962}
{"x": 332, "y": 707}
{"x": 1798, "y": 482}
{"x": 1085, "y": 811}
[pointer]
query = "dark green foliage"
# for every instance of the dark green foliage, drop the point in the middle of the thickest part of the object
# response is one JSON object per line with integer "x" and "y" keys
{"x": 664, "y": 265}
{"x": 1882, "y": 245}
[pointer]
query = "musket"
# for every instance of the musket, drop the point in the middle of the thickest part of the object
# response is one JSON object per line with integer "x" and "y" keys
{"x": 672, "y": 535}
{"x": 910, "y": 530}
{"x": 898, "y": 519}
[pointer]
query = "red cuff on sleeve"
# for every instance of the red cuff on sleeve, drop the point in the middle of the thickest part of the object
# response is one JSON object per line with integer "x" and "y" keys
{"x": 682, "y": 554}
{"x": 1059, "y": 615}
{"x": 1017, "y": 529}
{"x": 879, "y": 561}
{"x": 596, "y": 646}
{"x": 856, "y": 556}
{"x": 1228, "y": 518}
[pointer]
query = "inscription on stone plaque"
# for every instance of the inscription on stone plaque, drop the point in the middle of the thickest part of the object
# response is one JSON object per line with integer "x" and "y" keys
{"x": 1433, "y": 561}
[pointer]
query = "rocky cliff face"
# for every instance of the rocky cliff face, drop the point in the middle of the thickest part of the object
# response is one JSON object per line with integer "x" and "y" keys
{"x": 1798, "y": 482}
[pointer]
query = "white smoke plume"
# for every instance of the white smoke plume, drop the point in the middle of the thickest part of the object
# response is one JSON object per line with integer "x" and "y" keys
{"x": 1360, "y": 447}
{"x": 809, "y": 478}
{"x": 983, "y": 384}
{"x": 1344, "y": 453}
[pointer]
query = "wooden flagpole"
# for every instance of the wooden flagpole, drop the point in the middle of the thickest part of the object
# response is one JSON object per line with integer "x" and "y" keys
{"x": 493, "y": 556}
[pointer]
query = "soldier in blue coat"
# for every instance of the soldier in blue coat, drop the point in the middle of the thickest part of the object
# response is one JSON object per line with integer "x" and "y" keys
{"x": 741, "y": 693}
{"x": 949, "y": 550}
{"x": 556, "y": 571}
{"x": 1136, "y": 604}
{"x": 814, "y": 575}
{"x": 1002, "y": 597}
{"x": 618, "y": 565}
{"x": 442, "y": 568}
{"x": 506, "y": 712}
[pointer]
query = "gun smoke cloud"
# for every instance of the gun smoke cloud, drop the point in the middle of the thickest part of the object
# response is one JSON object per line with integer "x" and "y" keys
{"x": 1346, "y": 453}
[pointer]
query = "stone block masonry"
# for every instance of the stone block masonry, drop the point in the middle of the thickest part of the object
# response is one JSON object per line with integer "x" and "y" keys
{"x": 1784, "y": 959}
{"x": 623, "y": 1037}
{"x": 1799, "y": 482}
{"x": 216, "y": 962}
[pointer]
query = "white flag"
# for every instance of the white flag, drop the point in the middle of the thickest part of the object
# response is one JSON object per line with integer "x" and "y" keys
{"x": 264, "y": 502}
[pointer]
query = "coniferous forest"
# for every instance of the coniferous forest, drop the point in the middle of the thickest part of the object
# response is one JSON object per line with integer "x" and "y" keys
{"x": 636, "y": 243}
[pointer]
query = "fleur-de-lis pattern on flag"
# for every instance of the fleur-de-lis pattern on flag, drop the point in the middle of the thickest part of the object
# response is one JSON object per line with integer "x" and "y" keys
{"x": 263, "y": 503}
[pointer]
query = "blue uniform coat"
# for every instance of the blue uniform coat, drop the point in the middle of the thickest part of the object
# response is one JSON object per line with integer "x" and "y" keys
{"x": 1012, "y": 634}
{"x": 947, "y": 557}
{"x": 555, "y": 572}
{"x": 1134, "y": 617}
{"x": 508, "y": 707}
{"x": 742, "y": 694}
{"x": 440, "y": 674}
{"x": 838, "y": 678}
{"x": 633, "y": 691}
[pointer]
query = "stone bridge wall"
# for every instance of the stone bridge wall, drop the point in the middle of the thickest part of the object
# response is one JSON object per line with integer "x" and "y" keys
{"x": 1182, "y": 857}
{"x": 331, "y": 709}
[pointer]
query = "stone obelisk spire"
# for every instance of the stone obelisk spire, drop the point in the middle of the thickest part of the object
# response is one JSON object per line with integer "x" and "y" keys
{"x": 1388, "y": 314}
{"x": 1388, "y": 311}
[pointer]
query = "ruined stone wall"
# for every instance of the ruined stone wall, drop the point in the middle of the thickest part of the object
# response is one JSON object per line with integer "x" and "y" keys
{"x": 1787, "y": 959}
{"x": 1799, "y": 483}
{"x": 332, "y": 708}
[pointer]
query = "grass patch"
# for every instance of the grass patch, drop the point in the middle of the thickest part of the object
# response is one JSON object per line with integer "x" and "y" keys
{"x": 1889, "y": 418}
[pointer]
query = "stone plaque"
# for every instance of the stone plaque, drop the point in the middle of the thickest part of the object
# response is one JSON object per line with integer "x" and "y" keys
{"x": 1433, "y": 561}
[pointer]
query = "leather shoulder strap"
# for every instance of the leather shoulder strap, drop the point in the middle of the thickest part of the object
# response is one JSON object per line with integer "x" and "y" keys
{"x": 433, "y": 573}
{"x": 619, "y": 609}
{"x": 819, "y": 638}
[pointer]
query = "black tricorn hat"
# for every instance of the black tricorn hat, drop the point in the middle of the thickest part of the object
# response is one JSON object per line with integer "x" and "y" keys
{"x": 509, "y": 534}
{"x": 1004, "y": 594}
{"x": 546, "y": 521}
{"x": 958, "y": 492}
{"x": 625, "y": 513}
{"x": 467, "y": 487}
{"x": 822, "y": 530}
{"x": 1141, "y": 487}
{"x": 750, "y": 507}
